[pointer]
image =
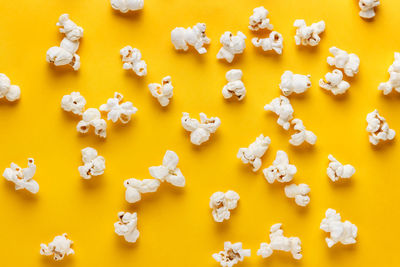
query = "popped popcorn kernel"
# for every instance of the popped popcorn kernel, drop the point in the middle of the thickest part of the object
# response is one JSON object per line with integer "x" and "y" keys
{"x": 231, "y": 45}
{"x": 94, "y": 165}
{"x": 378, "y": 128}
{"x": 222, "y": 203}
{"x": 294, "y": 83}
{"x": 259, "y": 20}
{"x": 232, "y": 254}
{"x": 252, "y": 154}
{"x": 127, "y": 5}
{"x": 235, "y": 85}
{"x": 7, "y": 90}
{"x": 72, "y": 31}
{"x": 181, "y": 38}
{"x": 394, "y": 78}
{"x": 169, "y": 171}
{"x": 162, "y": 92}
{"x": 126, "y": 226}
{"x": 281, "y": 106}
{"x": 337, "y": 170}
{"x": 299, "y": 193}
{"x": 58, "y": 248}
{"x": 280, "y": 170}
{"x": 334, "y": 82}
{"x": 200, "y": 131}
{"x": 74, "y": 103}
{"x": 302, "y": 134}
{"x": 368, "y": 8}
{"x": 308, "y": 35}
{"x": 350, "y": 63}
{"x": 132, "y": 59}
{"x": 92, "y": 117}
{"x": 117, "y": 111}
{"x": 22, "y": 178}
{"x": 135, "y": 187}
{"x": 273, "y": 42}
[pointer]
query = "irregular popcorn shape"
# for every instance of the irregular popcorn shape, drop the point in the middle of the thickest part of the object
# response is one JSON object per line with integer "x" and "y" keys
{"x": 231, "y": 45}
{"x": 58, "y": 248}
{"x": 127, "y": 5}
{"x": 222, "y": 203}
{"x": 232, "y": 254}
{"x": 132, "y": 59}
{"x": 280, "y": 170}
{"x": 94, "y": 165}
{"x": 273, "y": 42}
{"x": 378, "y": 128}
{"x": 302, "y": 134}
{"x": 294, "y": 83}
{"x": 7, "y": 90}
{"x": 337, "y": 170}
{"x": 162, "y": 92}
{"x": 254, "y": 152}
{"x": 308, "y": 35}
{"x": 334, "y": 82}
{"x": 126, "y": 226}
{"x": 235, "y": 85}
{"x": 394, "y": 79}
{"x": 343, "y": 232}
{"x": 200, "y": 131}
{"x": 368, "y": 8}
{"x": 168, "y": 171}
{"x": 92, "y": 117}
{"x": 343, "y": 60}
{"x": 259, "y": 20}
{"x": 281, "y": 106}
{"x": 280, "y": 242}
{"x": 299, "y": 193}
{"x": 181, "y": 38}
{"x": 72, "y": 31}
{"x": 117, "y": 111}
{"x": 135, "y": 187}
{"x": 74, "y": 103}
{"x": 22, "y": 178}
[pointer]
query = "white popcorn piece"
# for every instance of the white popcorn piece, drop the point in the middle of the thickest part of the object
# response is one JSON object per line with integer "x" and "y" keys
{"x": 302, "y": 134}
{"x": 259, "y": 20}
{"x": 92, "y": 117}
{"x": 126, "y": 226}
{"x": 200, "y": 131}
{"x": 334, "y": 82}
{"x": 117, "y": 111}
{"x": 135, "y": 187}
{"x": 279, "y": 242}
{"x": 281, "y": 106}
{"x": 368, "y": 8}
{"x": 162, "y": 92}
{"x": 168, "y": 171}
{"x": 74, "y": 103}
{"x": 22, "y": 178}
{"x": 231, "y": 45}
{"x": 273, "y": 42}
{"x": 343, "y": 232}
{"x": 308, "y": 35}
{"x": 299, "y": 193}
{"x": 232, "y": 254}
{"x": 181, "y": 38}
{"x": 125, "y": 6}
{"x": 337, "y": 170}
{"x": 252, "y": 154}
{"x": 58, "y": 248}
{"x": 294, "y": 83}
{"x": 132, "y": 59}
{"x": 235, "y": 85}
{"x": 350, "y": 63}
{"x": 7, "y": 90}
{"x": 94, "y": 165}
{"x": 222, "y": 203}
{"x": 72, "y": 31}
{"x": 378, "y": 128}
{"x": 394, "y": 78}
{"x": 280, "y": 170}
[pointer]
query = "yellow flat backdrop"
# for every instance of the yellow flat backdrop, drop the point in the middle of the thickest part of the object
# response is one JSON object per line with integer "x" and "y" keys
{"x": 176, "y": 226}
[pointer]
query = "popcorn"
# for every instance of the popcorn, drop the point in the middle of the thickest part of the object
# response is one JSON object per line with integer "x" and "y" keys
{"x": 254, "y": 152}
{"x": 259, "y": 19}
{"x": 235, "y": 86}
{"x": 72, "y": 31}
{"x": 132, "y": 59}
{"x": 163, "y": 92}
{"x": 221, "y": 204}
{"x": 343, "y": 232}
{"x": 280, "y": 170}
{"x": 231, "y": 45}
{"x": 135, "y": 187}
{"x": 22, "y": 178}
{"x": 302, "y": 134}
{"x": 168, "y": 171}
{"x": 195, "y": 37}
{"x": 334, "y": 82}
{"x": 308, "y": 35}
{"x": 342, "y": 60}
{"x": 338, "y": 171}
{"x": 299, "y": 193}
{"x": 10, "y": 92}
{"x": 280, "y": 242}
{"x": 368, "y": 8}
{"x": 232, "y": 254}
{"x": 117, "y": 111}
{"x": 200, "y": 131}
{"x": 273, "y": 42}
{"x": 58, "y": 248}
{"x": 394, "y": 80}
{"x": 296, "y": 83}
{"x": 74, "y": 103}
{"x": 127, "y": 5}
{"x": 378, "y": 128}
{"x": 127, "y": 226}
{"x": 94, "y": 165}
{"x": 92, "y": 117}
{"x": 281, "y": 106}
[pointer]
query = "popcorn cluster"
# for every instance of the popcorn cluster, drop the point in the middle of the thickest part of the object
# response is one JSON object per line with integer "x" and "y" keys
{"x": 200, "y": 131}
{"x": 132, "y": 59}
{"x": 378, "y": 128}
{"x": 235, "y": 85}
{"x": 231, "y": 45}
{"x": 368, "y": 8}
{"x": 334, "y": 82}
{"x": 117, "y": 111}
{"x": 92, "y": 118}
{"x": 126, "y": 226}
{"x": 162, "y": 92}
{"x": 127, "y": 5}
{"x": 259, "y": 20}
{"x": 222, "y": 203}
{"x": 135, "y": 187}
{"x": 308, "y": 35}
{"x": 350, "y": 63}
{"x": 280, "y": 170}
{"x": 281, "y": 106}
{"x": 22, "y": 178}
{"x": 394, "y": 78}
{"x": 181, "y": 38}
{"x": 252, "y": 154}
{"x": 94, "y": 165}
{"x": 232, "y": 254}
{"x": 58, "y": 248}
{"x": 294, "y": 83}
{"x": 9, "y": 91}
{"x": 343, "y": 232}
{"x": 337, "y": 170}
{"x": 74, "y": 103}
{"x": 302, "y": 134}
{"x": 273, "y": 42}
{"x": 299, "y": 193}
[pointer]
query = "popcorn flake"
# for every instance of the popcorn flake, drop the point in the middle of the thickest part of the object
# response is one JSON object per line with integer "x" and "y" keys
{"x": 132, "y": 59}
{"x": 378, "y": 128}
{"x": 181, "y": 38}
{"x": 294, "y": 83}
{"x": 222, "y": 203}
{"x": 299, "y": 193}
{"x": 200, "y": 131}
{"x": 162, "y": 92}
{"x": 22, "y": 178}
{"x": 308, "y": 35}
{"x": 58, "y": 248}
{"x": 254, "y": 152}
{"x": 117, "y": 111}
{"x": 281, "y": 106}
{"x": 273, "y": 42}
{"x": 280, "y": 170}
{"x": 337, "y": 170}
{"x": 232, "y": 254}
{"x": 126, "y": 226}
{"x": 231, "y": 45}
{"x": 259, "y": 20}
{"x": 7, "y": 90}
{"x": 234, "y": 86}
{"x": 94, "y": 165}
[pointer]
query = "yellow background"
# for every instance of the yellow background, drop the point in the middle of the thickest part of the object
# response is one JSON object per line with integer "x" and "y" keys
{"x": 176, "y": 226}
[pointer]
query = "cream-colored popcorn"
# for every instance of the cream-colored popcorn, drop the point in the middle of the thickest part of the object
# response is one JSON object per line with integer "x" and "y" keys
{"x": 127, "y": 5}
{"x": 72, "y": 31}
{"x": 334, "y": 82}
{"x": 337, "y": 170}
{"x": 132, "y": 59}
{"x": 350, "y": 63}
{"x": 181, "y": 38}
{"x": 394, "y": 79}
{"x": 117, "y": 111}
{"x": 235, "y": 85}
{"x": 281, "y": 106}
{"x": 200, "y": 131}
{"x": 168, "y": 171}
{"x": 254, "y": 152}
{"x": 135, "y": 187}
{"x": 280, "y": 242}
{"x": 378, "y": 128}
{"x": 343, "y": 232}
{"x": 127, "y": 226}
{"x": 94, "y": 165}
{"x": 299, "y": 193}
{"x": 280, "y": 170}
{"x": 294, "y": 83}
{"x": 308, "y": 35}
{"x": 162, "y": 92}
{"x": 58, "y": 248}
{"x": 92, "y": 117}
{"x": 273, "y": 42}
{"x": 368, "y": 8}
{"x": 74, "y": 103}
{"x": 232, "y": 254}
{"x": 222, "y": 203}
{"x": 259, "y": 19}
{"x": 231, "y": 45}
{"x": 7, "y": 90}
{"x": 22, "y": 178}
{"x": 302, "y": 134}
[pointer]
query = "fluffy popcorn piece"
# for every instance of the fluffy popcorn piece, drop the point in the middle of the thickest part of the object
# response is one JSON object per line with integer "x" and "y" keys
{"x": 378, "y": 128}
{"x": 368, "y": 8}
{"x": 200, "y": 131}
{"x": 273, "y": 42}
{"x": 299, "y": 193}
{"x": 58, "y": 248}
{"x": 302, "y": 134}
{"x": 232, "y": 254}
{"x": 259, "y": 19}
{"x": 337, "y": 170}
{"x": 117, "y": 111}
{"x": 231, "y": 45}
{"x": 181, "y": 38}
{"x": 132, "y": 59}
{"x": 334, "y": 82}
{"x": 254, "y": 152}
{"x": 127, "y": 5}
{"x": 74, "y": 103}
{"x": 22, "y": 178}
{"x": 343, "y": 232}
{"x": 135, "y": 187}
{"x": 280, "y": 170}
{"x": 126, "y": 226}
{"x": 7, "y": 90}
{"x": 235, "y": 85}
{"x": 94, "y": 165}
{"x": 72, "y": 31}
{"x": 92, "y": 117}
{"x": 281, "y": 106}
{"x": 350, "y": 63}
{"x": 308, "y": 35}
{"x": 394, "y": 80}
{"x": 280, "y": 242}
{"x": 222, "y": 203}
{"x": 294, "y": 83}
{"x": 162, "y": 92}
{"x": 168, "y": 171}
